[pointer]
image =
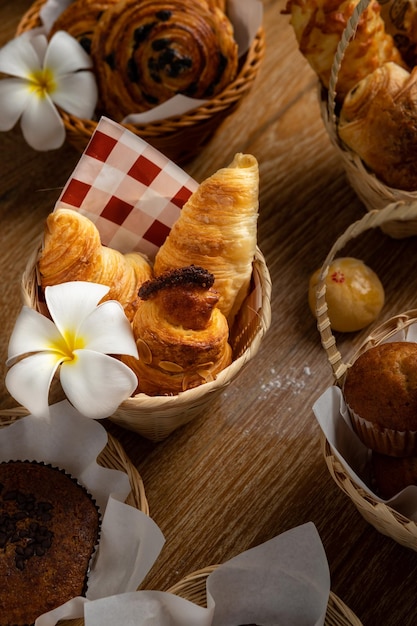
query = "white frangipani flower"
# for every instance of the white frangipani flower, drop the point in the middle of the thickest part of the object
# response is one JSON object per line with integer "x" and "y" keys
{"x": 76, "y": 343}
{"x": 41, "y": 76}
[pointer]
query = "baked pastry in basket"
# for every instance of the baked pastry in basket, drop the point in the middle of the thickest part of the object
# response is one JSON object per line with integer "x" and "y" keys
{"x": 380, "y": 390}
{"x": 80, "y": 20}
{"x": 217, "y": 230}
{"x": 378, "y": 121}
{"x": 49, "y": 528}
{"x": 180, "y": 333}
{"x": 319, "y": 25}
{"x": 146, "y": 52}
{"x": 72, "y": 250}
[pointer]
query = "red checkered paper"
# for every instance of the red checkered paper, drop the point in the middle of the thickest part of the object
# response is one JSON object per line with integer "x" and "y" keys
{"x": 131, "y": 191}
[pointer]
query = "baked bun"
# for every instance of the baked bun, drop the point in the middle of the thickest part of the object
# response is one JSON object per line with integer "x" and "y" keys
{"x": 180, "y": 333}
{"x": 392, "y": 474}
{"x": 354, "y": 294}
{"x": 147, "y": 52}
{"x": 378, "y": 122}
{"x": 380, "y": 390}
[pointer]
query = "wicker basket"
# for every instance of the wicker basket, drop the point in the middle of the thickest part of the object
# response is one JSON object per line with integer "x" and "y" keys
{"x": 383, "y": 517}
{"x": 113, "y": 457}
{"x": 371, "y": 191}
{"x": 193, "y": 588}
{"x": 157, "y": 417}
{"x": 180, "y": 138}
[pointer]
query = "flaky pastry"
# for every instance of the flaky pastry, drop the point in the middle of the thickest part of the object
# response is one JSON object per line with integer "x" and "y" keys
{"x": 72, "y": 250}
{"x": 146, "y": 52}
{"x": 378, "y": 121}
{"x": 217, "y": 230}
{"x": 181, "y": 335}
{"x": 318, "y": 27}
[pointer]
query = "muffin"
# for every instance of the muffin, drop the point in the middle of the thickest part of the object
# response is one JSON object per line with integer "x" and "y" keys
{"x": 392, "y": 474}
{"x": 380, "y": 390}
{"x": 354, "y": 294}
{"x": 49, "y": 527}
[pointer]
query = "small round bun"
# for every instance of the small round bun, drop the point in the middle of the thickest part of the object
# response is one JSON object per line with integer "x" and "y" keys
{"x": 354, "y": 294}
{"x": 380, "y": 390}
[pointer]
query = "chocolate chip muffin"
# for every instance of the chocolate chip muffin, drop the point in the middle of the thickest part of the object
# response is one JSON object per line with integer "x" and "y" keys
{"x": 49, "y": 527}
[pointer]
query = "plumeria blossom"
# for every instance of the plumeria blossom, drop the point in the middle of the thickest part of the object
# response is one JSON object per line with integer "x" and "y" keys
{"x": 75, "y": 343}
{"x": 42, "y": 76}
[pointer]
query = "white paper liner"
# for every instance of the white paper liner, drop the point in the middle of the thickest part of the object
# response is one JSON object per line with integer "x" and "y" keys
{"x": 246, "y": 17}
{"x": 333, "y": 417}
{"x": 283, "y": 581}
{"x": 129, "y": 540}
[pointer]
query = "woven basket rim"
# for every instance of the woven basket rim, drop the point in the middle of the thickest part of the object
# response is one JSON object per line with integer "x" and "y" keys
{"x": 398, "y": 211}
{"x": 190, "y": 395}
{"x": 193, "y": 587}
{"x": 229, "y": 96}
{"x": 112, "y": 456}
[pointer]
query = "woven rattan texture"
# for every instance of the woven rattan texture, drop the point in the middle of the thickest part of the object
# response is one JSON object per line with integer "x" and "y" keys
{"x": 180, "y": 138}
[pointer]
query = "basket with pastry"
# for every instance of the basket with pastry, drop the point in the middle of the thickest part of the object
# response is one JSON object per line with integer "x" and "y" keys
{"x": 198, "y": 298}
{"x": 364, "y": 55}
{"x": 148, "y": 54}
{"x": 368, "y": 416}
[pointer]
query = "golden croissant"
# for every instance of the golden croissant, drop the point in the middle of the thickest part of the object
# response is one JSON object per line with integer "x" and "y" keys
{"x": 217, "y": 230}
{"x": 318, "y": 27}
{"x": 181, "y": 335}
{"x": 378, "y": 121}
{"x": 72, "y": 250}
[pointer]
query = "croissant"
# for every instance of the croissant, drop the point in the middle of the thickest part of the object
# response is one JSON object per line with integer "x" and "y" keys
{"x": 181, "y": 335}
{"x": 217, "y": 230}
{"x": 318, "y": 27}
{"x": 72, "y": 250}
{"x": 378, "y": 121}
{"x": 146, "y": 52}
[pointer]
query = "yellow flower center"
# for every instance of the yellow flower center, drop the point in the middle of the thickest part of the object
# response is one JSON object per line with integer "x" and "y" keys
{"x": 42, "y": 82}
{"x": 68, "y": 344}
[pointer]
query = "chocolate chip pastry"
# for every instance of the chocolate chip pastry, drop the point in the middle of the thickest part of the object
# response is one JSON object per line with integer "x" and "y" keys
{"x": 146, "y": 52}
{"x": 80, "y": 20}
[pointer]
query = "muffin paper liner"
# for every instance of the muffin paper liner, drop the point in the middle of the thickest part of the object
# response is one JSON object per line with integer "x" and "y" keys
{"x": 334, "y": 420}
{"x": 129, "y": 540}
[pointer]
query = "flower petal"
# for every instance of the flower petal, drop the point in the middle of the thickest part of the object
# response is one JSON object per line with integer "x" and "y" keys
{"x": 96, "y": 383}
{"x": 70, "y": 303}
{"x": 14, "y": 96}
{"x": 28, "y": 381}
{"x": 65, "y": 55}
{"x": 32, "y": 332}
{"x": 42, "y": 126}
{"x": 108, "y": 330}
{"x": 76, "y": 94}
{"x": 19, "y": 57}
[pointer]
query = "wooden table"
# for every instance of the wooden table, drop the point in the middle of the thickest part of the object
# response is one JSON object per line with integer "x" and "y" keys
{"x": 252, "y": 467}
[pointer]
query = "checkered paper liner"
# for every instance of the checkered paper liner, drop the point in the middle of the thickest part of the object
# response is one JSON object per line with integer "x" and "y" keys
{"x": 134, "y": 194}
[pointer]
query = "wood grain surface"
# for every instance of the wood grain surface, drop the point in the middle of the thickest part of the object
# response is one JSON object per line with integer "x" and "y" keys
{"x": 251, "y": 467}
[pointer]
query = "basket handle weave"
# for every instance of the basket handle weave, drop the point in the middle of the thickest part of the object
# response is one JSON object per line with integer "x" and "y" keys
{"x": 398, "y": 211}
{"x": 347, "y": 35}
